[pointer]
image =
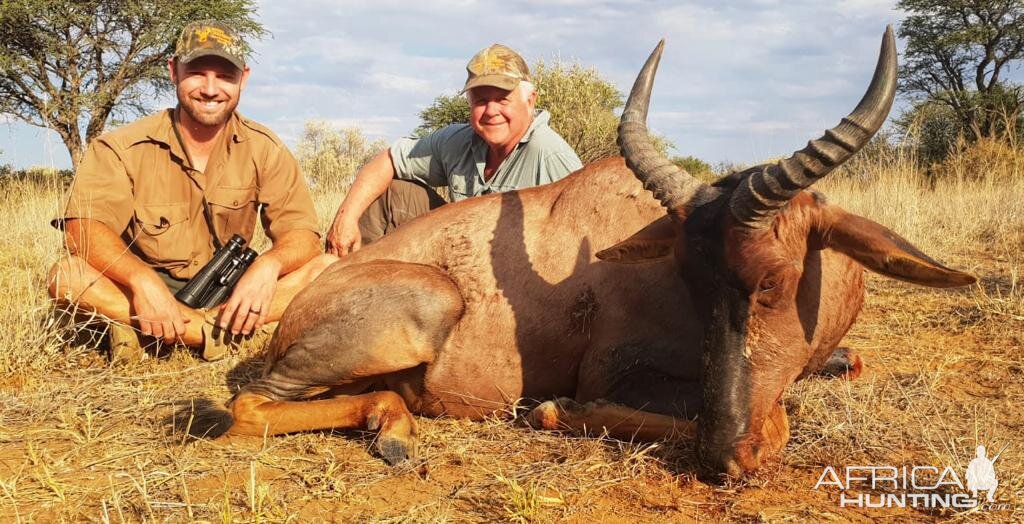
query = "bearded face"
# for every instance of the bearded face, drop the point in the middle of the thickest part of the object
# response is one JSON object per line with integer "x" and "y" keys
{"x": 208, "y": 89}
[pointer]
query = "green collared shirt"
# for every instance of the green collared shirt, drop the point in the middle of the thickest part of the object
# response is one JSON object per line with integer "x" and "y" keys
{"x": 455, "y": 157}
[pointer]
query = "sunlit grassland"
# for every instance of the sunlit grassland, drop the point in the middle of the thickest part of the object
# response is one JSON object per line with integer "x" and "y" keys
{"x": 83, "y": 441}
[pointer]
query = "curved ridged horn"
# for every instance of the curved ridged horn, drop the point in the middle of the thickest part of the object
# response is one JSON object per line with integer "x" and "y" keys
{"x": 671, "y": 185}
{"x": 758, "y": 198}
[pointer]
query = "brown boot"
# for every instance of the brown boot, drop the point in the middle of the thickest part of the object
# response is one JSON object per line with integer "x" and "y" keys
{"x": 217, "y": 343}
{"x": 125, "y": 347}
{"x": 74, "y": 327}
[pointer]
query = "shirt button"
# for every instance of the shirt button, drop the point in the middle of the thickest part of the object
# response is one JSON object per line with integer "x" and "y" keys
{"x": 195, "y": 262}
{"x": 234, "y": 203}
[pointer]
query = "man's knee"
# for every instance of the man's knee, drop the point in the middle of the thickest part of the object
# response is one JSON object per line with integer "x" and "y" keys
{"x": 66, "y": 277}
{"x": 297, "y": 280}
{"x": 403, "y": 201}
{"x": 312, "y": 269}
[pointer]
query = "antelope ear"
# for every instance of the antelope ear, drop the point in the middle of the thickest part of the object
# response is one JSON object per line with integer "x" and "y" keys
{"x": 883, "y": 251}
{"x": 650, "y": 243}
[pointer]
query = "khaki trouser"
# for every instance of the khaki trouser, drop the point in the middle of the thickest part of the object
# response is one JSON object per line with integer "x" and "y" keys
{"x": 403, "y": 201}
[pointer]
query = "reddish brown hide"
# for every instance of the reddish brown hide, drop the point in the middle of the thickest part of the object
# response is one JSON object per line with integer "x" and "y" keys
{"x": 714, "y": 309}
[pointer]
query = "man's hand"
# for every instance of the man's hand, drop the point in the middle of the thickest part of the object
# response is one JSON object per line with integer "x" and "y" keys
{"x": 343, "y": 237}
{"x": 372, "y": 180}
{"x": 156, "y": 310}
{"x": 247, "y": 308}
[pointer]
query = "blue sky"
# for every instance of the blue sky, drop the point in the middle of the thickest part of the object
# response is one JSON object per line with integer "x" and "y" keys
{"x": 740, "y": 80}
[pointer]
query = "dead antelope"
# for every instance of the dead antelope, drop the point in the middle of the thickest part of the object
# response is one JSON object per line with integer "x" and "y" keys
{"x": 726, "y": 294}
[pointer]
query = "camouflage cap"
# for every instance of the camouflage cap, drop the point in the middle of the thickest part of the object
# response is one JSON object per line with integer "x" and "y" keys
{"x": 210, "y": 38}
{"x": 497, "y": 66}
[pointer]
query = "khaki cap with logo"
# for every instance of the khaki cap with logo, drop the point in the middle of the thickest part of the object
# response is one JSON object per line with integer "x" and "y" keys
{"x": 496, "y": 66}
{"x": 210, "y": 38}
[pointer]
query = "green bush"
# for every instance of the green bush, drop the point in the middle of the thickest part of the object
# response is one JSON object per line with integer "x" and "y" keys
{"x": 693, "y": 165}
{"x": 37, "y": 176}
{"x": 445, "y": 110}
{"x": 931, "y": 129}
{"x": 330, "y": 157}
{"x": 582, "y": 107}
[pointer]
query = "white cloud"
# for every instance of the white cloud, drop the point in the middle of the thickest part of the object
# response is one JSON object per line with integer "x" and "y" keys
{"x": 393, "y": 82}
{"x": 867, "y": 7}
{"x": 374, "y": 126}
{"x": 740, "y": 79}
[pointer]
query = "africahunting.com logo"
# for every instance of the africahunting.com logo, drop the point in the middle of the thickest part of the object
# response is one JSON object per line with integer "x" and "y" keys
{"x": 927, "y": 487}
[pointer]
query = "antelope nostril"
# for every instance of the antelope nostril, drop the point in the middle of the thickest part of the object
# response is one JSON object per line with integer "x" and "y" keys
{"x": 732, "y": 468}
{"x": 757, "y": 452}
{"x": 720, "y": 468}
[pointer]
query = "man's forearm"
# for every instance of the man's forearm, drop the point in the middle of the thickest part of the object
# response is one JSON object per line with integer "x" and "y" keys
{"x": 104, "y": 250}
{"x": 151, "y": 304}
{"x": 292, "y": 250}
{"x": 371, "y": 182}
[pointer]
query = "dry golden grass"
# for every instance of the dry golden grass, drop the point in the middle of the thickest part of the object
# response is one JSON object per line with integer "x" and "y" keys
{"x": 81, "y": 441}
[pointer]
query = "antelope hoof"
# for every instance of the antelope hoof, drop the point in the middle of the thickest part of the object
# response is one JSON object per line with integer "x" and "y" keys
{"x": 843, "y": 364}
{"x": 544, "y": 416}
{"x": 395, "y": 451}
{"x": 548, "y": 415}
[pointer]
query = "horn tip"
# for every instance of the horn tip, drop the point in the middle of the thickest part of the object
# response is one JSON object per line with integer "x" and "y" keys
{"x": 888, "y": 52}
{"x": 658, "y": 49}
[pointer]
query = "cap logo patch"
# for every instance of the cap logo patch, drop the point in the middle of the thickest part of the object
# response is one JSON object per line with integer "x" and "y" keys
{"x": 493, "y": 62}
{"x": 216, "y": 33}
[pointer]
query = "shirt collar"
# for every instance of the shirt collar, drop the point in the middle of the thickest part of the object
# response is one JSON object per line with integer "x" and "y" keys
{"x": 540, "y": 117}
{"x": 163, "y": 132}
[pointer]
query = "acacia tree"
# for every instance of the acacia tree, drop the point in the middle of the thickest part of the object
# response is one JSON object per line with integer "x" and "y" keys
{"x": 957, "y": 52}
{"x": 443, "y": 111}
{"x": 73, "y": 65}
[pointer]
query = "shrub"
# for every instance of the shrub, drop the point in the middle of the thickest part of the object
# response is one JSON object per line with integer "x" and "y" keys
{"x": 931, "y": 129}
{"x": 445, "y": 110}
{"x": 40, "y": 176}
{"x": 582, "y": 107}
{"x": 986, "y": 159}
{"x": 693, "y": 165}
{"x": 330, "y": 157}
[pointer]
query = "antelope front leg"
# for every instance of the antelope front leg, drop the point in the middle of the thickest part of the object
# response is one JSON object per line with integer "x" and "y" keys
{"x": 385, "y": 411}
{"x": 618, "y": 421}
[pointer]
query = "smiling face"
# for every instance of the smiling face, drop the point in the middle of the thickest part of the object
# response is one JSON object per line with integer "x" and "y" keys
{"x": 208, "y": 89}
{"x": 501, "y": 117}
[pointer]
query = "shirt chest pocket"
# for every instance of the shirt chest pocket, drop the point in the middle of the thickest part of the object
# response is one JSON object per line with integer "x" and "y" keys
{"x": 162, "y": 233}
{"x": 234, "y": 210}
{"x": 463, "y": 186}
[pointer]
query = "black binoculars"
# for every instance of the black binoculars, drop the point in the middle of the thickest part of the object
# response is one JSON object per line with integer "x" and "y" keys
{"x": 215, "y": 281}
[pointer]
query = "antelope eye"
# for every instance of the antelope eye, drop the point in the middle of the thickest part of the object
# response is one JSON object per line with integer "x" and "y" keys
{"x": 767, "y": 294}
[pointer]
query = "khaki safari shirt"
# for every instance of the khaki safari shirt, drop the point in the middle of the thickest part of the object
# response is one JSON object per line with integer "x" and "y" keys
{"x": 456, "y": 156}
{"x": 138, "y": 181}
